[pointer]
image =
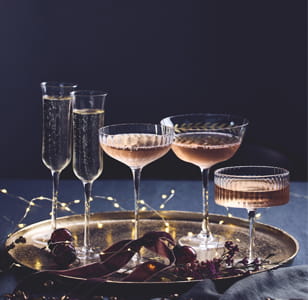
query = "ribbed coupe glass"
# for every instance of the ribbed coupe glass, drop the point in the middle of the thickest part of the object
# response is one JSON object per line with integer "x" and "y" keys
{"x": 136, "y": 145}
{"x": 251, "y": 187}
{"x": 205, "y": 140}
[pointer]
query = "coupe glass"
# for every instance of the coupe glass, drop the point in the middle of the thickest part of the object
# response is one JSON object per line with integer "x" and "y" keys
{"x": 56, "y": 141}
{"x": 136, "y": 145}
{"x": 205, "y": 140}
{"x": 88, "y": 117}
{"x": 251, "y": 187}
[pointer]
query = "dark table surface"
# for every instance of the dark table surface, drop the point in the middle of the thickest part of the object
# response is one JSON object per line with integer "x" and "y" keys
{"x": 182, "y": 195}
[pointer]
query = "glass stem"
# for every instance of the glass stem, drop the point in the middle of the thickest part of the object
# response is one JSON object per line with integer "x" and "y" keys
{"x": 251, "y": 218}
{"x": 205, "y": 204}
{"x": 136, "y": 179}
{"x": 55, "y": 190}
{"x": 88, "y": 194}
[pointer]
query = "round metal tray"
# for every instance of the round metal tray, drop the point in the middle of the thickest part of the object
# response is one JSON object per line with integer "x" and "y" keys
{"x": 110, "y": 227}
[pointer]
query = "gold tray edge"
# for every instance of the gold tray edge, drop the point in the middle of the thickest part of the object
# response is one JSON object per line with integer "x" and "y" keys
{"x": 184, "y": 214}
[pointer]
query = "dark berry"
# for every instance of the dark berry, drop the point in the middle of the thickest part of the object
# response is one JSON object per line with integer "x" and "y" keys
{"x": 64, "y": 254}
{"x": 21, "y": 239}
{"x": 184, "y": 254}
{"x": 10, "y": 246}
{"x": 61, "y": 235}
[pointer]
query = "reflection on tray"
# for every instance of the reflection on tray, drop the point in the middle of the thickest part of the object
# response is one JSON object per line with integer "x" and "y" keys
{"x": 108, "y": 228}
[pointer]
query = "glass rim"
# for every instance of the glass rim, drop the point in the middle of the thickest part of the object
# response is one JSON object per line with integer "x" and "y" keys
{"x": 283, "y": 172}
{"x": 133, "y": 124}
{"x": 57, "y": 84}
{"x": 92, "y": 93}
{"x": 245, "y": 121}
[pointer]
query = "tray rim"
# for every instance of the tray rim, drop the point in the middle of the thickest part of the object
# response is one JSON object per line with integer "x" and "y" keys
{"x": 144, "y": 215}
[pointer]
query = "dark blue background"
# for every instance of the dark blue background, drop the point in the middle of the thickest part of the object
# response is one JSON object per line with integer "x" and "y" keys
{"x": 156, "y": 58}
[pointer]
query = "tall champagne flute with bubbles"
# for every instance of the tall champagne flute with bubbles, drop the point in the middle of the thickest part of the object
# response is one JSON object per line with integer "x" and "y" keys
{"x": 56, "y": 141}
{"x": 205, "y": 140}
{"x": 136, "y": 145}
{"x": 88, "y": 117}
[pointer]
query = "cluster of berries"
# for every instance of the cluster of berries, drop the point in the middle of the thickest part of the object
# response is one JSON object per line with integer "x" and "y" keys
{"x": 61, "y": 247}
{"x": 223, "y": 266}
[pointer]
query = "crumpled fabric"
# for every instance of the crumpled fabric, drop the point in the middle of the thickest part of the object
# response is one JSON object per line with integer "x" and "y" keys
{"x": 280, "y": 284}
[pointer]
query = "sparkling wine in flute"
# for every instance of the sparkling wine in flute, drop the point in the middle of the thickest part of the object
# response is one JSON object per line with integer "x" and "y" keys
{"x": 87, "y": 160}
{"x": 56, "y": 134}
{"x": 56, "y": 146}
{"x": 135, "y": 150}
{"x": 88, "y": 117}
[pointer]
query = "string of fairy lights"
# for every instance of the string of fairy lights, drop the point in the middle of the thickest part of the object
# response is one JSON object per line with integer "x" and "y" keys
{"x": 67, "y": 206}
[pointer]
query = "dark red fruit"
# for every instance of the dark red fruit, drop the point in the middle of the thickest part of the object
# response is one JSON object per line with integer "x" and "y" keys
{"x": 61, "y": 247}
{"x": 61, "y": 235}
{"x": 64, "y": 254}
{"x": 184, "y": 254}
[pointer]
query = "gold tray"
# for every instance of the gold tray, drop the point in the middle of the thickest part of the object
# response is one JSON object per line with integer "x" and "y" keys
{"x": 110, "y": 227}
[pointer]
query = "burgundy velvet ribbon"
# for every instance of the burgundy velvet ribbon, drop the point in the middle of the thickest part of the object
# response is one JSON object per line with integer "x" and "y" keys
{"x": 116, "y": 257}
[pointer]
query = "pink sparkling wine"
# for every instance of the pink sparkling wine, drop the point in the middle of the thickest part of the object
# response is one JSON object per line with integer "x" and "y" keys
{"x": 135, "y": 150}
{"x": 251, "y": 194}
{"x": 205, "y": 149}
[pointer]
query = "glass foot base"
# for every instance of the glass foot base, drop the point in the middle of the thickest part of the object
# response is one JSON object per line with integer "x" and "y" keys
{"x": 87, "y": 256}
{"x": 207, "y": 248}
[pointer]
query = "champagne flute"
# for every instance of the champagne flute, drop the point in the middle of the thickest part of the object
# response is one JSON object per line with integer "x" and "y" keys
{"x": 251, "y": 187}
{"x": 205, "y": 140}
{"x": 136, "y": 145}
{"x": 88, "y": 117}
{"x": 56, "y": 141}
